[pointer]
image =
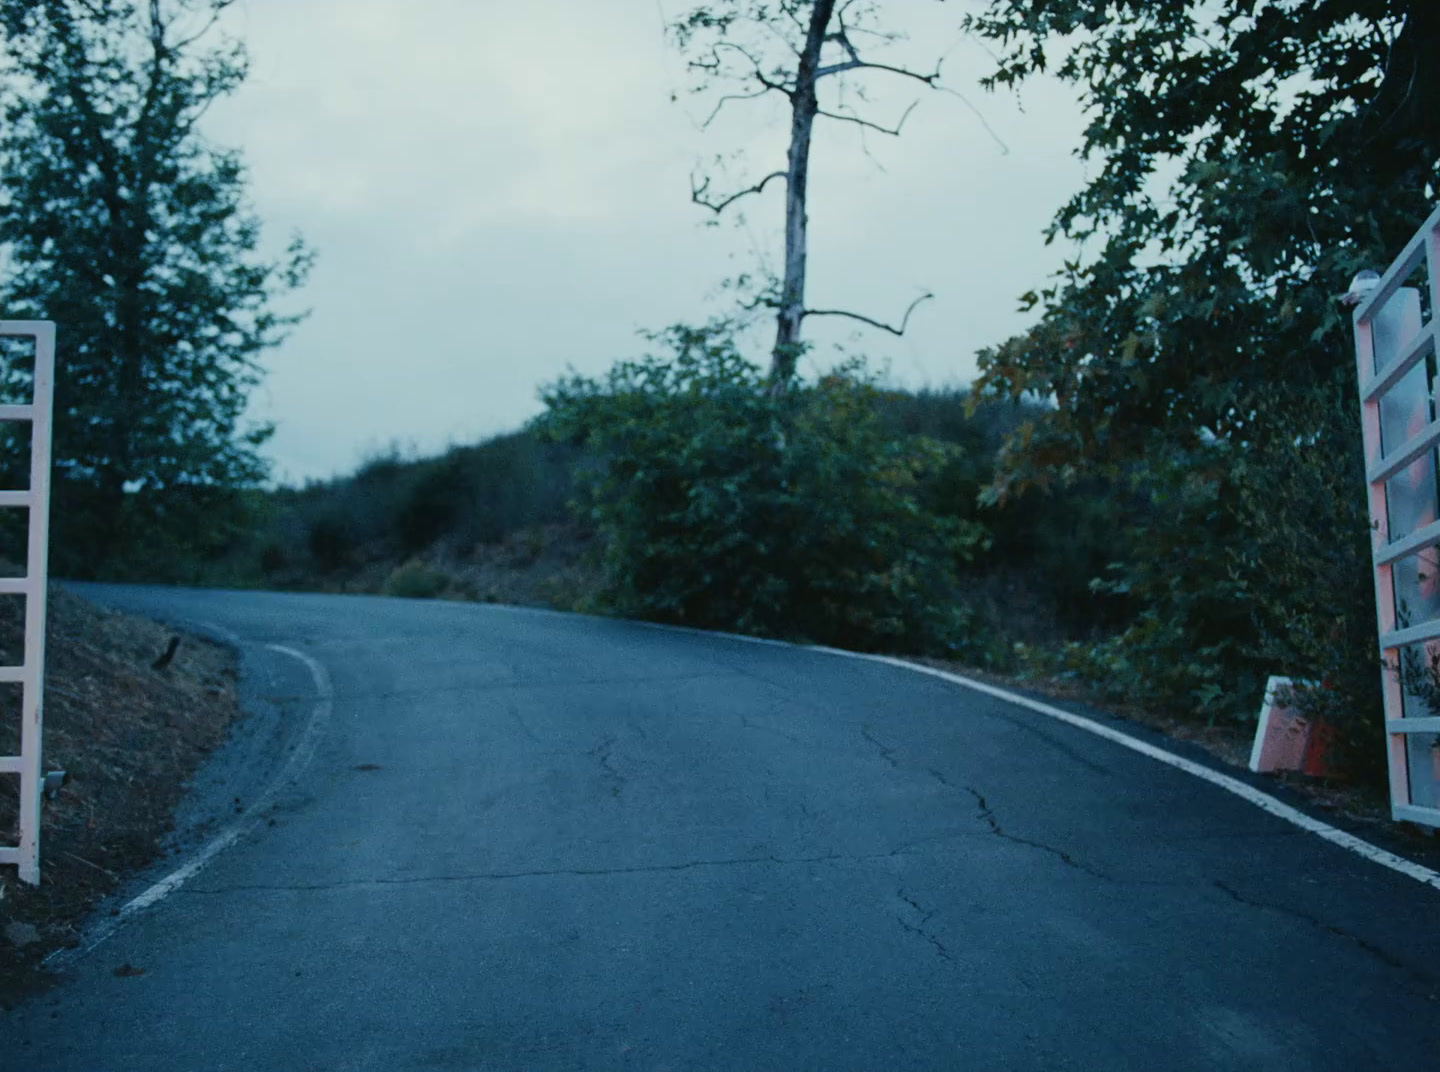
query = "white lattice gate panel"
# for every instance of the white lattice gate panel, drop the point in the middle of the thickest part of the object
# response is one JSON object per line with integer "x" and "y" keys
{"x": 1395, "y": 349}
{"x": 30, "y": 674}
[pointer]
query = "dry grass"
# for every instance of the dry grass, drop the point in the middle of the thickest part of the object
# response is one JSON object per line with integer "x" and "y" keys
{"x": 129, "y": 736}
{"x": 539, "y": 566}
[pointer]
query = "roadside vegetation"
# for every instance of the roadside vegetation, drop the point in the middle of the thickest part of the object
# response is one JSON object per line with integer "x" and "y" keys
{"x": 129, "y": 727}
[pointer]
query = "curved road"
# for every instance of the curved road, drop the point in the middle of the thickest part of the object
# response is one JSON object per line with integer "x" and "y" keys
{"x": 537, "y": 841}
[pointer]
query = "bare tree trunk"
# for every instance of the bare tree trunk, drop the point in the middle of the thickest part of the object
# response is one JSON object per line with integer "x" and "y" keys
{"x": 804, "y": 106}
{"x": 826, "y": 26}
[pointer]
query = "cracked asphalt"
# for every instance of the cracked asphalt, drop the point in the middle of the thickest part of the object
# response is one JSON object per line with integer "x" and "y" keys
{"x": 540, "y": 841}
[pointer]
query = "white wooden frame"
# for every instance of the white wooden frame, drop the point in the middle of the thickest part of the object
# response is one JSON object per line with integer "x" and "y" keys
{"x": 1383, "y": 359}
{"x": 31, "y": 673}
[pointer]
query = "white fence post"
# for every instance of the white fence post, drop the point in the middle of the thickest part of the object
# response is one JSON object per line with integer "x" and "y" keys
{"x": 1393, "y": 344}
{"x": 31, "y": 673}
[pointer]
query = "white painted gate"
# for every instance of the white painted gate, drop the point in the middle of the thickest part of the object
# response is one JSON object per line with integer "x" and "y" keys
{"x": 1395, "y": 350}
{"x": 30, "y": 674}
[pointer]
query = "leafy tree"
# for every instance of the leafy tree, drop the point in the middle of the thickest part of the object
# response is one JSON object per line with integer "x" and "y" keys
{"x": 123, "y": 224}
{"x": 710, "y": 519}
{"x": 1303, "y": 140}
{"x": 1248, "y": 157}
{"x": 792, "y": 48}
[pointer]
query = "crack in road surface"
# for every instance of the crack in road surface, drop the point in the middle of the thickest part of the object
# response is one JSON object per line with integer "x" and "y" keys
{"x": 986, "y": 813}
{"x": 493, "y": 686}
{"x": 886, "y": 752}
{"x": 1429, "y": 985}
{"x": 513, "y": 710}
{"x": 920, "y": 928}
{"x": 564, "y": 872}
{"x": 995, "y": 828}
{"x": 751, "y": 724}
{"x": 608, "y": 772}
{"x": 600, "y": 872}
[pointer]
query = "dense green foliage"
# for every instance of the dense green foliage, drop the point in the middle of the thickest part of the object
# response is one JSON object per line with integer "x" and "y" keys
{"x": 415, "y": 580}
{"x": 392, "y": 507}
{"x": 122, "y": 224}
{"x": 505, "y": 500}
{"x": 1195, "y": 350}
{"x": 798, "y": 514}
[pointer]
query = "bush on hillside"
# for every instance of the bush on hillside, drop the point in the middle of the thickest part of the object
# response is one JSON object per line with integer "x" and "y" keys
{"x": 415, "y": 580}
{"x": 431, "y": 500}
{"x": 394, "y": 506}
{"x": 1250, "y": 560}
{"x": 798, "y": 514}
{"x": 329, "y": 541}
{"x": 1053, "y": 541}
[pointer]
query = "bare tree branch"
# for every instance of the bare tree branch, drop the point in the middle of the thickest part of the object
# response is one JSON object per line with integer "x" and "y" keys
{"x": 186, "y": 42}
{"x": 866, "y": 320}
{"x": 985, "y": 48}
{"x": 878, "y": 35}
{"x": 787, "y": 42}
{"x": 758, "y": 73}
{"x": 731, "y": 97}
{"x": 697, "y": 193}
{"x": 978, "y": 115}
{"x": 841, "y": 38}
{"x": 893, "y": 131}
{"x": 856, "y": 64}
{"x": 793, "y": 14}
{"x": 217, "y": 9}
{"x": 830, "y": 29}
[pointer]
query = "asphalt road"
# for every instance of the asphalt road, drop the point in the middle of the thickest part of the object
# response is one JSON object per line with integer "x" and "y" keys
{"x": 536, "y": 841}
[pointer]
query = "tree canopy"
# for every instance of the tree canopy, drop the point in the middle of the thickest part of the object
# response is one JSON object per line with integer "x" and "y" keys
{"x": 121, "y": 222}
{"x": 1248, "y": 157}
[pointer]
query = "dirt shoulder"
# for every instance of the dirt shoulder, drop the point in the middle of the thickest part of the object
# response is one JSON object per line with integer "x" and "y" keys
{"x": 130, "y": 729}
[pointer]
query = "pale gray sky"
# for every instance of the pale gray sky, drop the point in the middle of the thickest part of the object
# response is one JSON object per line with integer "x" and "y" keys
{"x": 499, "y": 191}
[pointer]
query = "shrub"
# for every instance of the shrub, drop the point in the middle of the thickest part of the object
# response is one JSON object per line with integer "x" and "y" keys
{"x": 1253, "y": 559}
{"x": 797, "y": 513}
{"x": 415, "y": 580}
{"x": 329, "y": 541}
{"x": 429, "y": 503}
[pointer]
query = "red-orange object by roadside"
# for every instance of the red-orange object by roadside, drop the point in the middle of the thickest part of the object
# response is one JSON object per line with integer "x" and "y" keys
{"x": 1287, "y": 740}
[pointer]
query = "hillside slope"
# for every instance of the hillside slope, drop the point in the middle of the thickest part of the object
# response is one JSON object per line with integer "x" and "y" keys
{"x": 129, "y": 735}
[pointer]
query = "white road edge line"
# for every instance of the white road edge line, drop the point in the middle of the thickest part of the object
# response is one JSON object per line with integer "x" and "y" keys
{"x": 1265, "y": 802}
{"x": 248, "y": 821}
{"x": 1261, "y": 800}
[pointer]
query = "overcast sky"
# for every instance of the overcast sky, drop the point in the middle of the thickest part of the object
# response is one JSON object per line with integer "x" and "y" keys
{"x": 500, "y": 191}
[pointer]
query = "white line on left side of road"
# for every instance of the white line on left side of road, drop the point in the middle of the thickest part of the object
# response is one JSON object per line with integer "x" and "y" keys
{"x": 248, "y": 821}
